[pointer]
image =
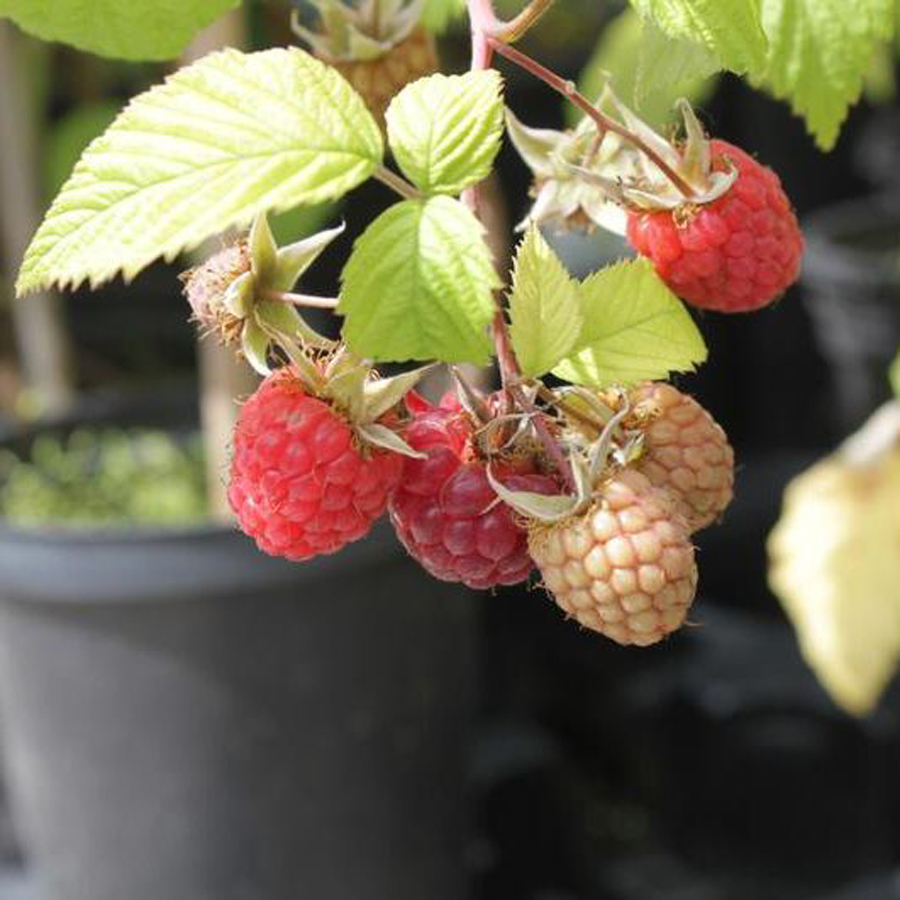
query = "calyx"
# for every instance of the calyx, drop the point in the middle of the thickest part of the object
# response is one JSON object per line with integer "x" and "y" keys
{"x": 598, "y": 176}
{"x": 232, "y": 292}
{"x": 360, "y": 33}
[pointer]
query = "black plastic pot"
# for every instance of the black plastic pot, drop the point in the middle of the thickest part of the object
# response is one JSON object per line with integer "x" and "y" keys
{"x": 186, "y": 719}
{"x": 852, "y": 281}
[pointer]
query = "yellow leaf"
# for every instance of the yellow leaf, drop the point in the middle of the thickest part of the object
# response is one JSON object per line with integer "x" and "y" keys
{"x": 835, "y": 564}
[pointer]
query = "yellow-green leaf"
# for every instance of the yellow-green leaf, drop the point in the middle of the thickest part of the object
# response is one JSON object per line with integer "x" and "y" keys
{"x": 635, "y": 329}
{"x": 445, "y": 130}
{"x": 220, "y": 141}
{"x": 419, "y": 285}
{"x": 819, "y": 53}
{"x": 544, "y": 308}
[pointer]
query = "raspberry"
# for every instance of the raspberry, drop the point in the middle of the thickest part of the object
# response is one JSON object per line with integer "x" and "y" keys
{"x": 735, "y": 254}
{"x": 685, "y": 452}
{"x": 205, "y": 287}
{"x": 624, "y": 568}
{"x": 300, "y": 485}
{"x": 379, "y": 80}
{"x": 447, "y": 514}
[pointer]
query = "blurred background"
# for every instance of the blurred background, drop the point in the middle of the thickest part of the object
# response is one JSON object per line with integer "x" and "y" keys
{"x": 711, "y": 767}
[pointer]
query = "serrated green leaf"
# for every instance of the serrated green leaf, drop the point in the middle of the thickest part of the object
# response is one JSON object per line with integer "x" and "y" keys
{"x": 819, "y": 53}
{"x": 439, "y": 14}
{"x": 545, "y": 313}
{"x": 151, "y": 29}
{"x": 445, "y": 130}
{"x": 731, "y": 29}
{"x": 623, "y": 57}
{"x": 635, "y": 329}
{"x": 220, "y": 141}
{"x": 419, "y": 284}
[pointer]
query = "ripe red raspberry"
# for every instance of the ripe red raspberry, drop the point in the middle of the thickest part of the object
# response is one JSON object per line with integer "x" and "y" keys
{"x": 624, "y": 568}
{"x": 735, "y": 254}
{"x": 447, "y": 514}
{"x": 686, "y": 452}
{"x": 300, "y": 484}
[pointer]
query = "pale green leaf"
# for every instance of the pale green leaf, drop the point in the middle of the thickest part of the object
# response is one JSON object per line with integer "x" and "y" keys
{"x": 670, "y": 64}
{"x": 67, "y": 139}
{"x": 439, "y": 14}
{"x": 419, "y": 284}
{"x": 819, "y": 53}
{"x": 624, "y": 58}
{"x": 545, "y": 315}
{"x": 125, "y": 29}
{"x": 445, "y": 130}
{"x": 894, "y": 376}
{"x": 635, "y": 329}
{"x": 220, "y": 141}
{"x": 731, "y": 29}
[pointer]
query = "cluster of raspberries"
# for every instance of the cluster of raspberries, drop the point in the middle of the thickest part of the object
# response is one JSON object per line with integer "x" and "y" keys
{"x": 302, "y": 485}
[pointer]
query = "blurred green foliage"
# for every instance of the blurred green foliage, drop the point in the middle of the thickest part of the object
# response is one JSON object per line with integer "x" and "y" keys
{"x": 105, "y": 478}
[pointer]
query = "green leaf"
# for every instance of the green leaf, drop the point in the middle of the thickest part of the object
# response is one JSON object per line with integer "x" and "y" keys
{"x": 445, "y": 130}
{"x": 894, "y": 376}
{"x": 68, "y": 138}
{"x": 669, "y": 64}
{"x": 439, "y": 14}
{"x": 731, "y": 29}
{"x": 419, "y": 284}
{"x": 819, "y": 53}
{"x": 635, "y": 329}
{"x": 227, "y": 138}
{"x": 624, "y": 56}
{"x": 124, "y": 29}
{"x": 544, "y": 307}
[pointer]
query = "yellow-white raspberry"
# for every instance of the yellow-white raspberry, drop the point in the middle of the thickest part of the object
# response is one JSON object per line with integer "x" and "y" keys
{"x": 625, "y": 567}
{"x": 686, "y": 452}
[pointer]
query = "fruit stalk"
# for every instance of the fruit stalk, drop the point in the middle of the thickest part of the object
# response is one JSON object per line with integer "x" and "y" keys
{"x": 604, "y": 123}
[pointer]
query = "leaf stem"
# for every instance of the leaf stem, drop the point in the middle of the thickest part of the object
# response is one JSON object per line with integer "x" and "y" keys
{"x": 604, "y": 123}
{"x": 307, "y": 300}
{"x": 396, "y": 183}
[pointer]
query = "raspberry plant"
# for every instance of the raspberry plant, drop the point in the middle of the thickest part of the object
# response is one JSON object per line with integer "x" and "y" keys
{"x": 598, "y": 477}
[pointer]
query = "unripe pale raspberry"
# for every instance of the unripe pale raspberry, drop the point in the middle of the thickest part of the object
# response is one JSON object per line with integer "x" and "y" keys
{"x": 380, "y": 80}
{"x": 625, "y": 567}
{"x": 735, "y": 254}
{"x": 448, "y": 516}
{"x": 301, "y": 485}
{"x": 686, "y": 452}
{"x": 205, "y": 287}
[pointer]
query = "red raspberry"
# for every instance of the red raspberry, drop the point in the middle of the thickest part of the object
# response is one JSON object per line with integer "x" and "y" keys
{"x": 735, "y": 254}
{"x": 447, "y": 514}
{"x": 300, "y": 485}
{"x": 624, "y": 568}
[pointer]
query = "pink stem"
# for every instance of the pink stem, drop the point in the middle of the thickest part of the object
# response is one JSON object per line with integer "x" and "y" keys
{"x": 604, "y": 122}
{"x": 484, "y": 22}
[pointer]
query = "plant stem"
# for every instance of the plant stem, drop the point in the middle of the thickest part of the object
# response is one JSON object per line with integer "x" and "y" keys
{"x": 396, "y": 183}
{"x": 510, "y": 32}
{"x": 604, "y": 122}
{"x": 483, "y": 20}
{"x": 307, "y": 300}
